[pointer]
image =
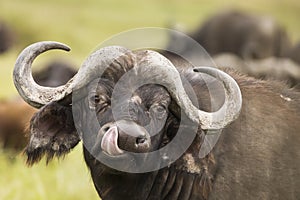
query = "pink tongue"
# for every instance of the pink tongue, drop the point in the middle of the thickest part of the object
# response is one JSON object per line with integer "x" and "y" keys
{"x": 109, "y": 142}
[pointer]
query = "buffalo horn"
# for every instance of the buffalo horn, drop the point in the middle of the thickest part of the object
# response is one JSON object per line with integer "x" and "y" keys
{"x": 159, "y": 69}
{"x": 37, "y": 95}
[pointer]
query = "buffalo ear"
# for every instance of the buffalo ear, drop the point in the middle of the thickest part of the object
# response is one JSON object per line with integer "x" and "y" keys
{"x": 52, "y": 133}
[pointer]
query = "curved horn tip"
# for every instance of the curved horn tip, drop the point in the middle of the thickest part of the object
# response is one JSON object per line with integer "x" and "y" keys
{"x": 53, "y": 45}
{"x": 233, "y": 100}
{"x": 29, "y": 90}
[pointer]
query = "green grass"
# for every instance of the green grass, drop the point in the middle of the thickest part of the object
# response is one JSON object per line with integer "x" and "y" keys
{"x": 61, "y": 179}
{"x": 83, "y": 25}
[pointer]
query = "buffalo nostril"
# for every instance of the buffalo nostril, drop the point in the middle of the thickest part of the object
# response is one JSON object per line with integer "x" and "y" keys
{"x": 140, "y": 140}
{"x": 105, "y": 129}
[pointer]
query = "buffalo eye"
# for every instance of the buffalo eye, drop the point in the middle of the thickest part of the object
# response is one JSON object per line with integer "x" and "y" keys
{"x": 158, "y": 111}
{"x": 140, "y": 140}
{"x": 95, "y": 98}
{"x": 98, "y": 102}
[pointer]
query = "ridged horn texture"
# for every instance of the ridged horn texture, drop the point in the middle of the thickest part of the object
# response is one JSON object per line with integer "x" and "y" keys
{"x": 30, "y": 91}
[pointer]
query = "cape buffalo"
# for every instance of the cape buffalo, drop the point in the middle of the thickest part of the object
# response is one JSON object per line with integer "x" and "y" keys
{"x": 122, "y": 123}
{"x": 248, "y": 36}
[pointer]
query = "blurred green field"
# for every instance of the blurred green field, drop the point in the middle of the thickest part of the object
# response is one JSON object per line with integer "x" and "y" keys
{"x": 60, "y": 180}
{"x": 83, "y": 25}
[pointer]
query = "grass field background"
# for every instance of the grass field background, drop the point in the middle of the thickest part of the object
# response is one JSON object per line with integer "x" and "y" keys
{"x": 83, "y": 25}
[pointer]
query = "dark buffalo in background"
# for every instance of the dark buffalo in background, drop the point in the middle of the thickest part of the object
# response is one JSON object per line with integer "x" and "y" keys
{"x": 256, "y": 157}
{"x": 7, "y": 37}
{"x": 56, "y": 72}
{"x": 282, "y": 69}
{"x": 255, "y": 45}
{"x": 248, "y": 36}
{"x": 15, "y": 114}
{"x": 294, "y": 53}
{"x": 272, "y": 68}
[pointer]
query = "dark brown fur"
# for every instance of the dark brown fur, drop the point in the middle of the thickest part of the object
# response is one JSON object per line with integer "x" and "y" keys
{"x": 258, "y": 155}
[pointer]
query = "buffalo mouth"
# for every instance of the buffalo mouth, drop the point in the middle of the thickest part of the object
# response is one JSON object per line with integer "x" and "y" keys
{"x": 109, "y": 142}
{"x": 121, "y": 138}
{"x": 120, "y": 146}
